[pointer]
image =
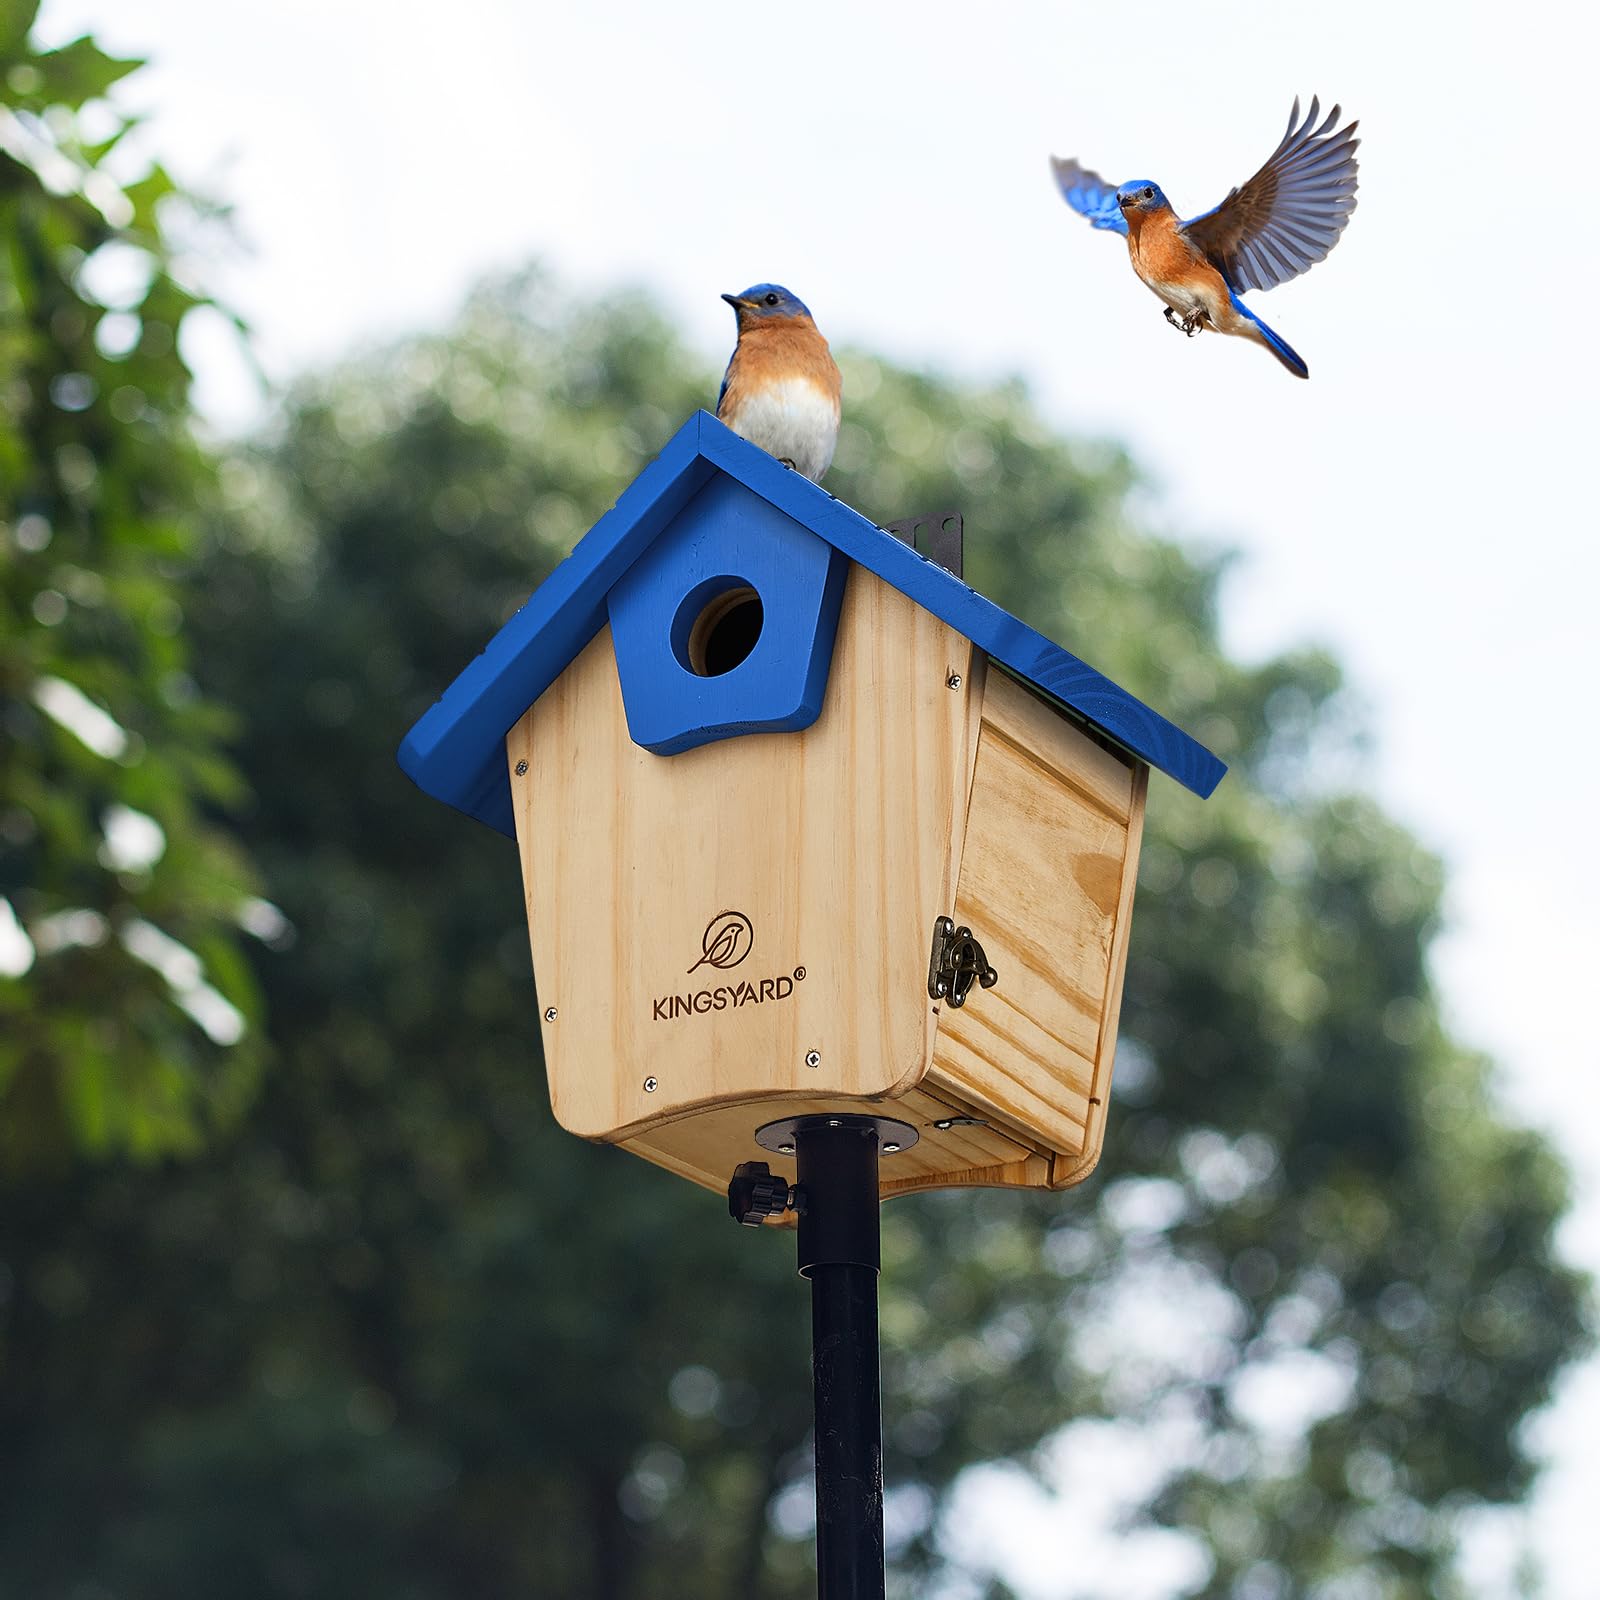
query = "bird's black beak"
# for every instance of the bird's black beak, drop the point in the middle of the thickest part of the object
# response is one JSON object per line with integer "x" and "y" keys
{"x": 733, "y": 300}
{"x": 1124, "y": 200}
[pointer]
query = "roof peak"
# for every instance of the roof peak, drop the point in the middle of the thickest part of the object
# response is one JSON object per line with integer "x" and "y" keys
{"x": 455, "y": 752}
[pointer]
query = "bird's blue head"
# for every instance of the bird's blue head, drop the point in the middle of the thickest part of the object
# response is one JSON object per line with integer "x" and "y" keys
{"x": 765, "y": 300}
{"x": 1141, "y": 196}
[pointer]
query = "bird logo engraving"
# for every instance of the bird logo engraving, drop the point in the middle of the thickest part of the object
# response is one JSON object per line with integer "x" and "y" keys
{"x": 728, "y": 939}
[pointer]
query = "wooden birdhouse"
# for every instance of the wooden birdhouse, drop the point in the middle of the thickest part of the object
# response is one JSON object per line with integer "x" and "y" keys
{"x": 806, "y": 825}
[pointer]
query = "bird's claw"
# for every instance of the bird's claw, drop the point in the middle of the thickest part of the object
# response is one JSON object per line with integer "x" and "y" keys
{"x": 784, "y": 461}
{"x": 1190, "y": 325}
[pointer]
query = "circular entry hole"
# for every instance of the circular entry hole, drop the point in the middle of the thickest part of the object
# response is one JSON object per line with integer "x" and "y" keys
{"x": 725, "y": 632}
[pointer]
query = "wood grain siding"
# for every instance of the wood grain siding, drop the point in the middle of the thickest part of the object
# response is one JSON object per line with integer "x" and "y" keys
{"x": 1046, "y": 886}
{"x": 838, "y": 843}
{"x": 1068, "y": 1171}
{"x": 932, "y": 783}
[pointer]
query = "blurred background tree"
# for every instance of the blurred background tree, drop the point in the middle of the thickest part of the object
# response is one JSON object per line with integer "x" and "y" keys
{"x": 125, "y": 1006}
{"x": 396, "y": 1334}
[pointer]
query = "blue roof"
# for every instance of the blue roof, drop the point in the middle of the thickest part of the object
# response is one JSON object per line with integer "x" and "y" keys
{"x": 456, "y": 751}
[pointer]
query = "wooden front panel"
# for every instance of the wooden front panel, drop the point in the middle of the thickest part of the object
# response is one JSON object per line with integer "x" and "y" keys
{"x": 835, "y": 846}
{"x": 1046, "y": 884}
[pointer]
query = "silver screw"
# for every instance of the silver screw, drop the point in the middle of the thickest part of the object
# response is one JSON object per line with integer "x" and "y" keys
{"x": 953, "y": 681}
{"x": 944, "y": 1124}
{"x": 522, "y": 767}
{"x": 786, "y": 1148}
{"x": 549, "y": 1013}
{"x": 649, "y": 1085}
{"x": 890, "y": 1148}
{"x": 835, "y": 1122}
{"x": 813, "y": 1058}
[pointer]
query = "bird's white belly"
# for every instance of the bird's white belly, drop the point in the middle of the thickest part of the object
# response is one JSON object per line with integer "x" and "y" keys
{"x": 1186, "y": 298}
{"x": 793, "y": 420}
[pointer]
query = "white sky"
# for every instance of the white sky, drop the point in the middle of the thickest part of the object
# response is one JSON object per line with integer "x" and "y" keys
{"x": 1416, "y": 504}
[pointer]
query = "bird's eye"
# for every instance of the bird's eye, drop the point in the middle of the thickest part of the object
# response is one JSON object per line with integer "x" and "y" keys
{"x": 1149, "y": 194}
{"x": 772, "y": 299}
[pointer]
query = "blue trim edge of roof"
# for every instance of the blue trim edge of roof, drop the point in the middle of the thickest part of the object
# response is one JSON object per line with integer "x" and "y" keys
{"x": 456, "y": 750}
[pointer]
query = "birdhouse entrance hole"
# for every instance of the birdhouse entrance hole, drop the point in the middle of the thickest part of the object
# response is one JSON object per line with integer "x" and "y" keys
{"x": 723, "y": 629}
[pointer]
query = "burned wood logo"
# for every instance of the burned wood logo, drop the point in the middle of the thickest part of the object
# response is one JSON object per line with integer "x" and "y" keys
{"x": 728, "y": 939}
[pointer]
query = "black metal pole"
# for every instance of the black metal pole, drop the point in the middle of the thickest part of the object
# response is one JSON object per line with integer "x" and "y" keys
{"x": 837, "y": 1177}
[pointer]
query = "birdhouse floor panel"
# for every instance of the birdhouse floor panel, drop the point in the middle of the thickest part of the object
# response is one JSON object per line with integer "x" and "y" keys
{"x": 707, "y": 1146}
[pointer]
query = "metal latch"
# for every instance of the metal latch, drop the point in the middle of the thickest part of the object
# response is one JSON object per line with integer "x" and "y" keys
{"x": 956, "y": 960}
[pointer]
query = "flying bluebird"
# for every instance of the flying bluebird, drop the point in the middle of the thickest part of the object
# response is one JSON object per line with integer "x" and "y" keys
{"x": 1285, "y": 219}
{"x": 781, "y": 389}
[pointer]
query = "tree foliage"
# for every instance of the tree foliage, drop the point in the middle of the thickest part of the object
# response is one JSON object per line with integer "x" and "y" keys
{"x": 401, "y": 1335}
{"x": 124, "y": 1002}
{"x": 394, "y": 1333}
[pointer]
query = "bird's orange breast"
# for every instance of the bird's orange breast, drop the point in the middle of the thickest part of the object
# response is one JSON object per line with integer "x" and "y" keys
{"x": 779, "y": 349}
{"x": 1157, "y": 248}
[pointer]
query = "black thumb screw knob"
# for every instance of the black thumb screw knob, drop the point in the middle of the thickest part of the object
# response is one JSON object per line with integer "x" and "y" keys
{"x": 755, "y": 1194}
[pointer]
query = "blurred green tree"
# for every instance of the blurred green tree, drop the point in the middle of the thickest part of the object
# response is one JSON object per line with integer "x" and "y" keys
{"x": 402, "y": 1336}
{"x": 395, "y": 1334}
{"x": 125, "y": 1006}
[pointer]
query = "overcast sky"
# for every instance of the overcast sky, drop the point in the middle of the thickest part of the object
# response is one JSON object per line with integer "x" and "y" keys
{"x": 1415, "y": 505}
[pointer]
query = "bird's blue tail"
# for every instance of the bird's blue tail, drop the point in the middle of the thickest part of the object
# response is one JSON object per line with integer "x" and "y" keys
{"x": 1278, "y": 346}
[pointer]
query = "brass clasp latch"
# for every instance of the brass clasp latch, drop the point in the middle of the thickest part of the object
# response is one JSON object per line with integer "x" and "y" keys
{"x": 955, "y": 962}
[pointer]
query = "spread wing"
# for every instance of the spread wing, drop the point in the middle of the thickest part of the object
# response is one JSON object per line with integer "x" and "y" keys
{"x": 1089, "y": 194}
{"x": 1291, "y": 213}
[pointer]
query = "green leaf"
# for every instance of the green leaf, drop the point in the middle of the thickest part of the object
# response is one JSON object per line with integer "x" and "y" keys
{"x": 96, "y": 153}
{"x": 106, "y": 1062}
{"x": 81, "y": 71}
{"x": 16, "y": 22}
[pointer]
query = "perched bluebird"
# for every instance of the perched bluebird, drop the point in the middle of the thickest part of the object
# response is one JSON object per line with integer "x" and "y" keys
{"x": 1285, "y": 219}
{"x": 781, "y": 389}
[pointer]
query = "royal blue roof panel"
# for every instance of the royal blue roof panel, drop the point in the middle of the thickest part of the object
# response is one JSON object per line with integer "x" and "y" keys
{"x": 456, "y": 751}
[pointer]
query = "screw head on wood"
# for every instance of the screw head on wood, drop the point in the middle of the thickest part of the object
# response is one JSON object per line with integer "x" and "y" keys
{"x": 549, "y": 1013}
{"x": 522, "y": 768}
{"x": 953, "y": 681}
{"x": 890, "y": 1148}
{"x": 813, "y": 1058}
{"x": 649, "y": 1085}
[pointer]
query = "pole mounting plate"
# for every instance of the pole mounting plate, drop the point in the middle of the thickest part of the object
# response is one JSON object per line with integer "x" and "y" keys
{"x": 893, "y": 1136}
